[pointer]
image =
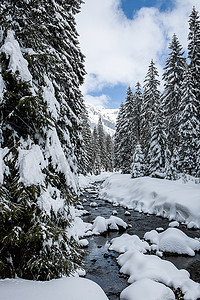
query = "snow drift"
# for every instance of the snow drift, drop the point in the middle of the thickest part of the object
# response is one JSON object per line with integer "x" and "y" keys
{"x": 174, "y": 200}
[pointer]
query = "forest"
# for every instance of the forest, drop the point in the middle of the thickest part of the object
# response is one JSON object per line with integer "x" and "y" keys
{"x": 46, "y": 141}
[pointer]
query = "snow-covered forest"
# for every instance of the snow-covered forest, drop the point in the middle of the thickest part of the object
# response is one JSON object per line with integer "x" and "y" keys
{"x": 55, "y": 170}
{"x": 158, "y": 134}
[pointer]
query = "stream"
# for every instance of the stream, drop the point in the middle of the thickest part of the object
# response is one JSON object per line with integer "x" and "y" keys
{"x": 100, "y": 263}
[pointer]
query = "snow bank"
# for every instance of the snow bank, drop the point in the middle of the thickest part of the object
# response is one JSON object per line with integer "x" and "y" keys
{"x": 173, "y": 240}
{"x": 140, "y": 266}
{"x": 128, "y": 242}
{"x": 85, "y": 181}
{"x": 69, "y": 288}
{"x": 147, "y": 289}
{"x": 171, "y": 199}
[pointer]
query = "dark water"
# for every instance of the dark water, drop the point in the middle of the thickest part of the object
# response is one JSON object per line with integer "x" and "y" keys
{"x": 100, "y": 263}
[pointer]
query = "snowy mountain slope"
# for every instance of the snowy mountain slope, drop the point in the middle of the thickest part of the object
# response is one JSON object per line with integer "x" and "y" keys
{"x": 108, "y": 117}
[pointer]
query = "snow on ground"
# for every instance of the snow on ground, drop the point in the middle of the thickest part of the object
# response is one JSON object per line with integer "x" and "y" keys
{"x": 140, "y": 266}
{"x": 85, "y": 181}
{"x": 173, "y": 240}
{"x": 67, "y": 288}
{"x": 147, "y": 289}
{"x": 174, "y": 200}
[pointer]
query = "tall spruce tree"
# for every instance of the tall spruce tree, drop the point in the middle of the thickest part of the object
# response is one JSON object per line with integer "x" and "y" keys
{"x": 40, "y": 102}
{"x": 138, "y": 99}
{"x": 189, "y": 127}
{"x": 118, "y": 137}
{"x": 156, "y": 154}
{"x": 194, "y": 50}
{"x": 138, "y": 167}
{"x": 109, "y": 153}
{"x": 102, "y": 145}
{"x": 96, "y": 153}
{"x": 173, "y": 78}
{"x": 151, "y": 96}
{"x": 85, "y": 162}
{"x": 127, "y": 129}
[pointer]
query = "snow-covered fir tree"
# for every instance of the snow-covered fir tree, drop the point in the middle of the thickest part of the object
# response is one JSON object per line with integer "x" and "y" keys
{"x": 138, "y": 99}
{"x": 40, "y": 104}
{"x": 118, "y": 152}
{"x": 86, "y": 157}
{"x": 96, "y": 153}
{"x": 194, "y": 50}
{"x": 151, "y": 96}
{"x": 102, "y": 145}
{"x": 127, "y": 135}
{"x": 189, "y": 127}
{"x": 173, "y": 78}
{"x": 156, "y": 154}
{"x": 138, "y": 167}
{"x": 109, "y": 153}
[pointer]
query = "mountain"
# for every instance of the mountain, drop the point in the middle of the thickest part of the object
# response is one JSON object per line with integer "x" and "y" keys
{"x": 108, "y": 117}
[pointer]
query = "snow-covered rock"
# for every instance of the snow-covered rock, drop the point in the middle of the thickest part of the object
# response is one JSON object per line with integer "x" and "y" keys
{"x": 127, "y": 213}
{"x": 128, "y": 242}
{"x": 147, "y": 289}
{"x": 93, "y": 204}
{"x": 101, "y": 225}
{"x": 174, "y": 224}
{"x": 173, "y": 240}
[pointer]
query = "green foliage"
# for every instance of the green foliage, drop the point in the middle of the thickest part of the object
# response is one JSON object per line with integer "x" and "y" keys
{"x": 20, "y": 110}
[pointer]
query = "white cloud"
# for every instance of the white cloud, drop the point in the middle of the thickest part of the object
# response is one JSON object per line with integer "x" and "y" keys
{"x": 97, "y": 100}
{"x": 119, "y": 50}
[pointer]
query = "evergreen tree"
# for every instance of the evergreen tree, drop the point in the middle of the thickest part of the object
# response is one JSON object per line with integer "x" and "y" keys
{"x": 138, "y": 99}
{"x": 110, "y": 153}
{"x": 194, "y": 50}
{"x": 86, "y": 157}
{"x": 102, "y": 145}
{"x": 173, "y": 77}
{"x": 189, "y": 127}
{"x": 151, "y": 96}
{"x": 128, "y": 141}
{"x": 118, "y": 154}
{"x": 40, "y": 103}
{"x": 158, "y": 144}
{"x": 96, "y": 153}
{"x": 138, "y": 167}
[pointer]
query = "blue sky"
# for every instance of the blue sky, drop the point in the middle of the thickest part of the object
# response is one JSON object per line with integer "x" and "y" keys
{"x": 120, "y": 37}
{"x": 131, "y": 7}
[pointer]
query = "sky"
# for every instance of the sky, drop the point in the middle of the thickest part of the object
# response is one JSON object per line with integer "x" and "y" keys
{"x": 120, "y": 37}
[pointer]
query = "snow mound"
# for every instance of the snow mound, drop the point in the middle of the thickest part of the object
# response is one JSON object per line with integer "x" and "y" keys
{"x": 173, "y": 240}
{"x": 101, "y": 225}
{"x": 174, "y": 224}
{"x": 93, "y": 204}
{"x": 128, "y": 242}
{"x": 71, "y": 288}
{"x": 140, "y": 266}
{"x": 147, "y": 289}
{"x": 170, "y": 199}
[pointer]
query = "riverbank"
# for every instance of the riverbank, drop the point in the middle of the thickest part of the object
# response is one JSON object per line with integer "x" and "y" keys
{"x": 175, "y": 200}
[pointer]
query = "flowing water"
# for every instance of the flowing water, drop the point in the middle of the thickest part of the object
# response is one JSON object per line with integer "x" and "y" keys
{"x": 100, "y": 263}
